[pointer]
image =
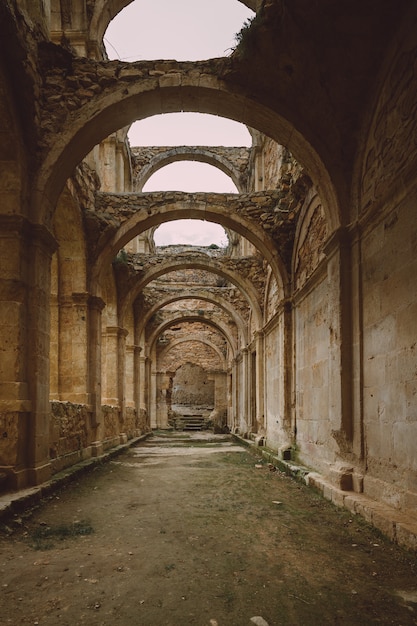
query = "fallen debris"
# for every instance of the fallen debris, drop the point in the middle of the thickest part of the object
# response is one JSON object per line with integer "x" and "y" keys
{"x": 259, "y": 621}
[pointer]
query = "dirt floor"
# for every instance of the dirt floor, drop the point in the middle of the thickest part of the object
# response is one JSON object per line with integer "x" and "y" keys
{"x": 187, "y": 531}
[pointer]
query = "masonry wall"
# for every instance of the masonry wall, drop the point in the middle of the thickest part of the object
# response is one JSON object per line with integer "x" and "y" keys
{"x": 192, "y": 387}
{"x": 389, "y": 271}
{"x": 315, "y": 444}
{"x": 276, "y": 435}
{"x": 70, "y": 434}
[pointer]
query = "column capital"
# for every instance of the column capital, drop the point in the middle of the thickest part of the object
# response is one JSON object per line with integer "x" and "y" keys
{"x": 338, "y": 239}
{"x": 116, "y": 331}
{"x": 80, "y": 298}
{"x": 96, "y": 303}
{"x": 41, "y": 236}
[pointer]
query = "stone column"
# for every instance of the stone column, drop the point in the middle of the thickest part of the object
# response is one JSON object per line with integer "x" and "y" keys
{"x": 54, "y": 349}
{"x": 244, "y": 381}
{"x": 287, "y": 359}
{"x": 337, "y": 251}
{"x": 139, "y": 366}
{"x": 260, "y": 382}
{"x": 130, "y": 376}
{"x": 230, "y": 395}
{"x": 358, "y": 443}
{"x": 40, "y": 247}
{"x": 162, "y": 381}
{"x": 121, "y": 372}
{"x": 120, "y": 168}
{"x": 237, "y": 409}
{"x": 141, "y": 380}
{"x": 108, "y": 161}
{"x": 220, "y": 394}
{"x": 95, "y": 307}
{"x": 147, "y": 390}
{"x": 110, "y": 366}
{"x": 72, "y": 351}
{"x": 152, "y": 393}
{"x": 23, "y": 420}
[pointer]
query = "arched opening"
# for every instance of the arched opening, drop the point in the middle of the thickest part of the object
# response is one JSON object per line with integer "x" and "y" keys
{"x": 192, "y": 396}
{"x": 191, "y": 233}
{"x": 203, "y": 30}
{"x": 190, "y": 177}
{"x": 106, "y": 112}
{"x": 188, "y": 129}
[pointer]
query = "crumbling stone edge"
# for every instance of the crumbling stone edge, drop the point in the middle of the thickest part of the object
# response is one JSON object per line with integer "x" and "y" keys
{"x": 400, "y": 527}
{"x": 15, "y": 502}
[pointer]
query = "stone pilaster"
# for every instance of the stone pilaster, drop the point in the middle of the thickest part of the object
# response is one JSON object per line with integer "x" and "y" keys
{"x": 40, "y": 247}
{"x": 95, "y": 307}
{"x": 338, "y": 255}
{"x": 260, "y": 382}
{"x": 72, "y": 351}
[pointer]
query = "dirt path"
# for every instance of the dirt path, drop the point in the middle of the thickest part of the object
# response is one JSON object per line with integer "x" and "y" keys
{"x": 193, "y": 533}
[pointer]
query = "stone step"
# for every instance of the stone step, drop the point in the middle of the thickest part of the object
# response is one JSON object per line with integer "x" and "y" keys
{"x": 190, "y": 422}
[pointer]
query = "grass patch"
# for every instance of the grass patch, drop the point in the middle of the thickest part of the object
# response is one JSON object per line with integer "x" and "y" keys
{"x": 45, "y": 537}
{"x": 169, "y": 567}
{"x": 247, "y": 38}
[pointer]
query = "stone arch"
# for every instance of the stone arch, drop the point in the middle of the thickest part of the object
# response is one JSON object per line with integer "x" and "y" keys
{"x": 191, "y": 338}
{"x": 136, "y": 93}
{"x": 200, "y": 295}
{"x": 217, "y": 325}
{"x": 189, "y": 153}
{"x": 243, "y": 284}
{"x": 386, "y": 161}
{"x": 311, "y": 236}
{"x": 273, "y": 297}
{"x": 196, "y": 207}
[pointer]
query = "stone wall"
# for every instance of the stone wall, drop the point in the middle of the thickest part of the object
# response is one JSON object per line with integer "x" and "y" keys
{"x": 276, "y": 421}
{"x": 196, "y": 351}
{"x": 389, "y": 261}
{"x": 273, "y": 298}
{"x": 11, "y": 438}
{"x": 315, "y": 444}
{"x": 112, "y": 422}
{"x": 70, "y": 433}
{"x": 192, "y": 387}
{"x": 274, "y": 211}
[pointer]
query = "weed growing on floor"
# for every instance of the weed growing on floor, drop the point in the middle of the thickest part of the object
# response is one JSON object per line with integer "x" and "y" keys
{"x": 169, "y": 567}
{"x": 44, "y": 537}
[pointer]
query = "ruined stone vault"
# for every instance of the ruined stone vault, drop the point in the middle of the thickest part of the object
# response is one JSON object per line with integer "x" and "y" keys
{"x": 301, "y": 333}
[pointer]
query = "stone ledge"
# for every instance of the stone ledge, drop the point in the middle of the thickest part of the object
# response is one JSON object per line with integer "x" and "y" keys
{"x": 399, "y": 526}
{"x": 14, "y": 502}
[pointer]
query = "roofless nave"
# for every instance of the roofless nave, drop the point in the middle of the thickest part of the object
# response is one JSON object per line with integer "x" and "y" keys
{"x": 301, "y": 332}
